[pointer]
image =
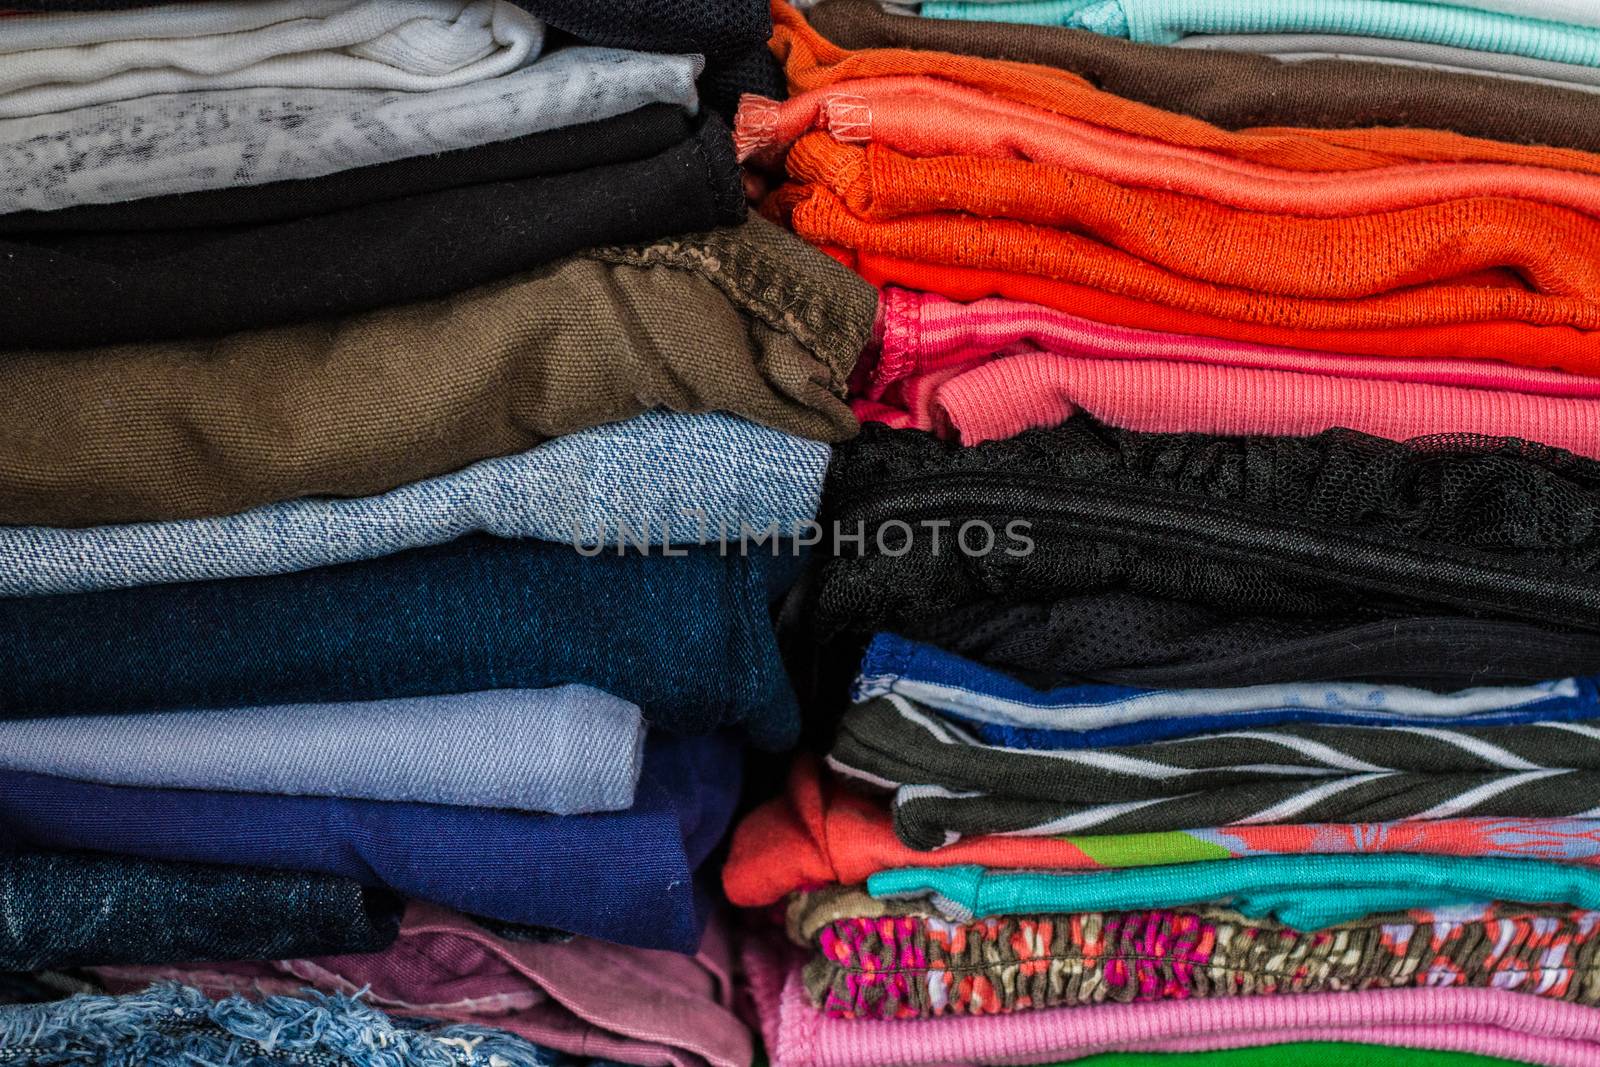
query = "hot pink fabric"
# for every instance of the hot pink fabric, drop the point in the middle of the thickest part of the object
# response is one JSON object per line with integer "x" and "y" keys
{"x": 997, "y": 367}
{"x": 1490, "y": 1022}
{"x": 583, "y": 997}
{"x": 927, "y": 117}
{"x": 1005, "y": 397}
{"x": 920, "y": 332}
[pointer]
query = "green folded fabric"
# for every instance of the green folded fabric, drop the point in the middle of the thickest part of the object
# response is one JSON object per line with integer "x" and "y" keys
{"x": 1306, "y": 892}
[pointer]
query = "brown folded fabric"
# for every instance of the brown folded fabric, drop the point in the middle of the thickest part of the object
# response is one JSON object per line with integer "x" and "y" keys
{"x": 747, "y": 319}
{"x": 1238, "y": 90}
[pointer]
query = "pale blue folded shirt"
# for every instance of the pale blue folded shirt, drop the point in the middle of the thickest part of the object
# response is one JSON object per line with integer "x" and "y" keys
{"x": 1002, "y": 710}
{"x": 1502, "y": 26}
{"x": 566, "y": 751}
{"x": 659, "y": 478}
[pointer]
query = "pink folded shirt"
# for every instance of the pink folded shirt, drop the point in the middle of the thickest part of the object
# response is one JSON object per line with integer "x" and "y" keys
{"x": 582, "y": 997}
{"x": 997, "y": 367}
{"x": 926, "y": 117}
{"x": 1490, "y": 1022}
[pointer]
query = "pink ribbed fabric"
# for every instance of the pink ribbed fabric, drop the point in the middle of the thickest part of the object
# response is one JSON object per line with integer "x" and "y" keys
{"x": 1487, "y": 1021}
{"x": 926, "y": 117}
{"x": 922, "y": 332}
{"x": 997, "y": 367}
{"x": 1020, "y": 392}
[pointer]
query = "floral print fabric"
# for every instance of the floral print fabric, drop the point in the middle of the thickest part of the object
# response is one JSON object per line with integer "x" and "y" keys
{"x": 903, "y": 966}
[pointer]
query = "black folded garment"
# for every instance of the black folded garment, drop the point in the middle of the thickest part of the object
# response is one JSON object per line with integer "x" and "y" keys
{"x": 72, "y": 909}
{"x": 1127, "y": 638}
{"x": 1189, "y": 559}
{"x": 755, "y": 71}
{"x": 69, "y": 290}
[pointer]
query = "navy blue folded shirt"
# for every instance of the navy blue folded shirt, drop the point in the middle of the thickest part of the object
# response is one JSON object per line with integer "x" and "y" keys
{"x": 624, "y": 876}
{"x": 689, "y": 639}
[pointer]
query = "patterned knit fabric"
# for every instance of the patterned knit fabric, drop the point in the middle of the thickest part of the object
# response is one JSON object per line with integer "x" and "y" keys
{"x": 908, "y": 966}
{"x": 1488, "y": 1021}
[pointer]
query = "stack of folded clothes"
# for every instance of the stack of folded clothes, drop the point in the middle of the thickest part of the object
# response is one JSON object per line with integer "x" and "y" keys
{"x": 383, "y": 380}
{"x": 1223, "y": 541}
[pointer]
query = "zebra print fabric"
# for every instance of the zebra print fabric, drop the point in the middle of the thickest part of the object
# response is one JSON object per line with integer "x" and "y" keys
{"x": 948, "y": 783}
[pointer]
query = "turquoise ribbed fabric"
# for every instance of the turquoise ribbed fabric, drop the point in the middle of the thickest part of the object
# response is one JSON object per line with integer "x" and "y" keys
{"x": 1169, "y": 21}
{"x": 1306, "y": 892}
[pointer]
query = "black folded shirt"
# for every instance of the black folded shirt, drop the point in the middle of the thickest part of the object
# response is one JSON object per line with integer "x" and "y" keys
{"x": 613, "y": 184}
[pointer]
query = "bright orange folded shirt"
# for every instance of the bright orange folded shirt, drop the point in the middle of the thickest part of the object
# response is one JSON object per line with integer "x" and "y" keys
{"x": 926, "y": 117}
{"x": 820, "y": 833}
{"x": 1076, "y": 222}
{"x": 811, "y": 61}
{"x": 1559, "y": 347}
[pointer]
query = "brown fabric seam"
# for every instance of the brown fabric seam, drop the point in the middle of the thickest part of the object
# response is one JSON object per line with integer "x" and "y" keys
{"x": 754, "y": 281}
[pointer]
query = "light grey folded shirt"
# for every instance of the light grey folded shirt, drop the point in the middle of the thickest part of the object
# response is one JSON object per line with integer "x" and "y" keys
{"x": 565, "y": 751}
{"x": 194, "y": 141}
{"x": 56, "y": 62}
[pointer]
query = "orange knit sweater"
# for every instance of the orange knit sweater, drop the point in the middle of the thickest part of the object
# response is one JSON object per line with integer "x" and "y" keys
{"x": 1077, "y": 219}
{"x": 1024, "y": 248}
{"x": 811, "y": 61}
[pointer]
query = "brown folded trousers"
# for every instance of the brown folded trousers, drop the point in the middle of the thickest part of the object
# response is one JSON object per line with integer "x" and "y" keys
{"x": 748, "y": 320}
{"x": 1237, "y": 90}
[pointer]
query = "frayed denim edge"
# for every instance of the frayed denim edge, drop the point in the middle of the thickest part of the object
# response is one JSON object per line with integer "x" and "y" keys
{"x": 169, "y": 1025}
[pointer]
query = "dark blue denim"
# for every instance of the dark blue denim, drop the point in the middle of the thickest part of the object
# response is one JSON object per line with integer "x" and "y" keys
{"x": 687, "y": 639}
{"x": 620, "y": 876}
{"x": 79, "y": 910}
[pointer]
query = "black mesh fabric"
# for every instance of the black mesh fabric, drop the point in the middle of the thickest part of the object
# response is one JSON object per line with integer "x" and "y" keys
{"x": 1331, "y": 531}
{"x": 755, "y": 71}
{"x": 1128, "y": 639}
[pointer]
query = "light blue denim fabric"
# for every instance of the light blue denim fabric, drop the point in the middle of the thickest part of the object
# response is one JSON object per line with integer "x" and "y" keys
{"x": 169, "y": 1025}
{"x": 655, "y": 478}
{"x": 567, "y": 750}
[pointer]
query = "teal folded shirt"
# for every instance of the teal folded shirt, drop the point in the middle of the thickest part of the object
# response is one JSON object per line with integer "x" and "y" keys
{"x": 1169, "y": 21}
{"x": 1306, "y": 892}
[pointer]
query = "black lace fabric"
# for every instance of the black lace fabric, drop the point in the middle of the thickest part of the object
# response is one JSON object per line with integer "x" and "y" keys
{"x": 1150, "y": 550}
